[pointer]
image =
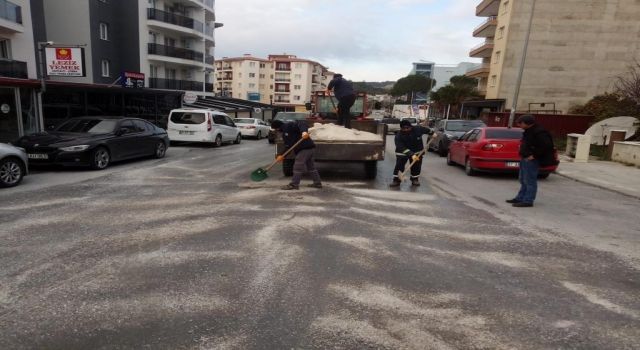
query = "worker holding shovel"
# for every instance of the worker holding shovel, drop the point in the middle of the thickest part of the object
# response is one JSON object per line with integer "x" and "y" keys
{"x": 409, "y": 147}
{"x": 295, "y": 134}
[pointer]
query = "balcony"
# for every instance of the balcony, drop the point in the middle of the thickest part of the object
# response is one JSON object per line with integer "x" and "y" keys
{"x": 172, "y": 18}
{"x": 208, "y": 87}
{"x": 13, "y": 69}
{"x": 479, "y": 72}
{"x": 282, "y": 100}
{"x": 209, "y": 60}
{"x": 283, "y": 68}
{"x": 282, "y": 91}
{"x": 172, "y": 84}
{"x": 487, "y": 29}
{"x": 283, "y": 80}
{"x": 488, "y": 8}
{"x": 483, "y": 50}
{"x": 176, "y": 52}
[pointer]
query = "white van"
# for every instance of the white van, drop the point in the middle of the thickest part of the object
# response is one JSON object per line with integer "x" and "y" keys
{"x": 202, "y": 125}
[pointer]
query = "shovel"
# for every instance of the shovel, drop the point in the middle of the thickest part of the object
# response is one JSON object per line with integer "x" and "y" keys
{"x": 260, "y": 174}
{"x": 401, "y": 173}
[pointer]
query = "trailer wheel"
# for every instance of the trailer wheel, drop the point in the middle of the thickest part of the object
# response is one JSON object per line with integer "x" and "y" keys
{"x": 287, "y": 167}
{"x": 371, "y": 169}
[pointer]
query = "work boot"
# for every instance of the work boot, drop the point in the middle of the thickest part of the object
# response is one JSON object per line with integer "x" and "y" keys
{"x": 290, "y": 187}
{"x": 315, "y": 185}
{"x": 415, "y": 182}
{"x": 512, "y": 201}
{"x": 395, "y": 183}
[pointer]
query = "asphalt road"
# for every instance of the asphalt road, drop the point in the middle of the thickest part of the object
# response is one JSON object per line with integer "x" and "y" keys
{"x": 188, "y": 253}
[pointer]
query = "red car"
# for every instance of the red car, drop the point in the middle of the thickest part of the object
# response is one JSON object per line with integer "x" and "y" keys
{"x": 490, "y": 149}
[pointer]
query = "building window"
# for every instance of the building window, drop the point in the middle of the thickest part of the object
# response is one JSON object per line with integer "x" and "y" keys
{"x": 271, "y": 86}
{"x": 105, "y": 68}
{"x": 252, "y": 64}
{"x": 262, "y": 65}
{"x": 170, "y": 73}
{"x": 505, "y": 6}
{"x": 261, "y": 86}
{"x": 5, "y": 49}
{"x": 104, "y": 31}
{"x": 497, "y": 57}
{"x": 153, "y": 71}
{"x": 298, "y": 76}
{"x": 501, "y": 32}
{"x": 296, "y": 98}
{"x": 252, "y": 86}
{"x": 252, "y": 75}
{"x": 240, "y": 85}
{"x": 494, "y": 79}
{"x": 297, "y": 87}
{"x": 239, "y": 75}
{"x": 298, "y": 65}
{"x": 262, "y": 76}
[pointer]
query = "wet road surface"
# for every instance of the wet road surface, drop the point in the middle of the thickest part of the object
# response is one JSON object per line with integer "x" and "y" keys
{"x": 188, "y": 253}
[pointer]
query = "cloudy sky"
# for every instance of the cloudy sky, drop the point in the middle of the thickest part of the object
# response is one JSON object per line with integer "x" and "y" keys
{"x": 371, "y": 40}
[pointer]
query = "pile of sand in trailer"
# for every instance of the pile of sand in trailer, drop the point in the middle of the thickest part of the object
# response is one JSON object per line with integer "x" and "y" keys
{"x": 332, "y": 132}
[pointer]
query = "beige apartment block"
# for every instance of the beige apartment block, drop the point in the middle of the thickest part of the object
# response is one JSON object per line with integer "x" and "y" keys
{"x": 576, "y": 49}
{"x": 285, "y": 81}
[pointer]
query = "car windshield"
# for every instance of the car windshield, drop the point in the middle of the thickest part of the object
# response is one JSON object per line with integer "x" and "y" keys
{"x": 244, "y": 121}
{"x": 462, "y": 125}
{"x": 187, "y": 117}
{"x": 390, "y": 121}
{"x": 509, "y": 134}
{"x": 291, "y": 116}
{"x": 91, "y": 126}
{"x": 411, "y": 120}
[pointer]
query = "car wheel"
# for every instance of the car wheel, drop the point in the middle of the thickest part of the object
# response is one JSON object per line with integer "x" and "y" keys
{"x": 238, "y": 139}
{"x": 161, "y": 150}
{"x": 449, "y": 161}
{"x": 543, "y": 175}
{"x": 11, "y": 172}
{"x": 259, "y": 136}
{"x": 271, "y": 141}
{"x": 468, "y": 169}
{"x": 371, "y": 169}
{"x": 441, "y": 150}
{"x": 218, "y": 141}
{"x": 100, "y": 158}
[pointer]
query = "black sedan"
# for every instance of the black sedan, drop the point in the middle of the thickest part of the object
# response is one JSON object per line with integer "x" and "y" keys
{"x": 95, "y": 142}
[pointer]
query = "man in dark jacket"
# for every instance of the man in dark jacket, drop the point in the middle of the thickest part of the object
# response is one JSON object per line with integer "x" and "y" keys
{"x": 292, "y": 132}
{"x": 408, "y": 144}
{"x": 346, "y": 98}
{"x": 536, "y": 150}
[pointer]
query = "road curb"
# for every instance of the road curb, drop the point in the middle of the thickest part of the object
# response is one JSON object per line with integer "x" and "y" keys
{"x": 635, "y": 196}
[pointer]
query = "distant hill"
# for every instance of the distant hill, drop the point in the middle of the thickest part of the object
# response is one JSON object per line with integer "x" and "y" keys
{"x": 373, "y": 87}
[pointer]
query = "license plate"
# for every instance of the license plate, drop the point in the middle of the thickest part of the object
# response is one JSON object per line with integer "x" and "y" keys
{"x": 37, "y": 156}
{"x": 513, "y": 164}
{"x": 185, "y": 132}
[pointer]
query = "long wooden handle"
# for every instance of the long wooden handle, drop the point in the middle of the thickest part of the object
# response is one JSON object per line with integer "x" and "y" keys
{"x": 284, "y": 154}
{"x": 401, "y": 175}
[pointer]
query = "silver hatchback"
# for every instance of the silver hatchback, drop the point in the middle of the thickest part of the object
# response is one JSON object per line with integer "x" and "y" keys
{"x": 14, "y": 165}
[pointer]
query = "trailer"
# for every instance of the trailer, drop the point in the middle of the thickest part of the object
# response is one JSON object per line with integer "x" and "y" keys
{"x": 369, "y": 153}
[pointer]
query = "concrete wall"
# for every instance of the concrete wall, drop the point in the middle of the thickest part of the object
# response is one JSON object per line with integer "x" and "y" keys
{"x": 576, "y": 50}
{"x": 626, "y": 153}
{"x": 68, "y": 22}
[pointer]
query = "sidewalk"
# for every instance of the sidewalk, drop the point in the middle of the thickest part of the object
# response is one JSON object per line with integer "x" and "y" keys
{"x": 611, "y": 176}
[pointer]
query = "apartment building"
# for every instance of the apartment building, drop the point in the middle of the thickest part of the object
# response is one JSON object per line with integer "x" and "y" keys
{"x": 170, "y": 41}
{"x": 18, "y": 94}
{"x": 285, "y": 81}
{"x": 575, "y": 51}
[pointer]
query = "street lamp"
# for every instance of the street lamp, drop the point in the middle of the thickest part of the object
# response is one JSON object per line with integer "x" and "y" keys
{"x": 514, "y": 104}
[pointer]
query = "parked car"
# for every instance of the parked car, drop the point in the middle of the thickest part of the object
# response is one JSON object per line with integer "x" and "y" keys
{"x": 449, "y": 131}
{"x": 286, "y": 117}
{"x": 251, "y": 127}
{"x": 202, "y": 125}
{"x": 14, "y": 165}
{"x": 490, "y": 149}
{"x": 95, "y": 142}
{"x": 393, "y": 124}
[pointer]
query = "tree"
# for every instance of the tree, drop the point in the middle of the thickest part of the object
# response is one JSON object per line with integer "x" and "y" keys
{"x": 628, "y": 84}
{"x": 608, "y": 105}
{"x": 459, "y": 89}
{"x": 412, "y": 84}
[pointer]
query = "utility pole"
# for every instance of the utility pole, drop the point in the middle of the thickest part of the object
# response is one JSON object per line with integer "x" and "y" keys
{"x": 514, "y": 104}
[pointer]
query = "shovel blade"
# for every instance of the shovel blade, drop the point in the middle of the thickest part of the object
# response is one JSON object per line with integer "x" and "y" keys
{"x": 259, "y": 175}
